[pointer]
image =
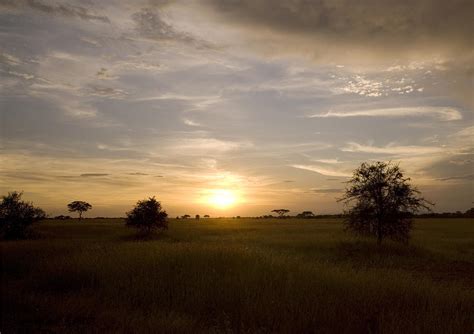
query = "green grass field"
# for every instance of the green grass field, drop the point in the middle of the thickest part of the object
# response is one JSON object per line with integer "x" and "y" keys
{"x": 238, "y": 275}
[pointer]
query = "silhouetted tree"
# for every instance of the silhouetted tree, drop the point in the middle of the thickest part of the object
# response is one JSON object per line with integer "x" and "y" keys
{"x": 16, "y": 216}
{"x": 305, "y": 214}
{"x": 206, "y": 216}
{"x": 147, "y": 216}
{"x": 79, "y": 206}
{"x": 62, "y": 217}
{"x": 384, "y": 202}
{"x": 469, "y": 213}
{"x": 281, "y": 212}
{"x": 198, "y": 217}
{"x": 185, "y": 216}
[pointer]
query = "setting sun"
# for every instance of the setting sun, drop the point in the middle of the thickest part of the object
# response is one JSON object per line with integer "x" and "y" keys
{"x": 222, "y": 198}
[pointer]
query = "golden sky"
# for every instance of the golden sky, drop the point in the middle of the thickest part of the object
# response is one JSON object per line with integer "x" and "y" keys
{"x": 233, "y": 107}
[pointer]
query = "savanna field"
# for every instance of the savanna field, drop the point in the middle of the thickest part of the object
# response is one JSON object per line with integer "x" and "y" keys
{"x": 238, "y": 276}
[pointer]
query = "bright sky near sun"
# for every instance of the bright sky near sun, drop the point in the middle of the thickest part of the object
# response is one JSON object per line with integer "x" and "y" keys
{"x": 233, "y": 107}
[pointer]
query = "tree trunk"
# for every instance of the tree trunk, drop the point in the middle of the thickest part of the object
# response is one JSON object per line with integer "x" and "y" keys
{"x": 80, "y": 215}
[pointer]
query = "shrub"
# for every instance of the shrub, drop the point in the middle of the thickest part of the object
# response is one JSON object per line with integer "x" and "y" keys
{"x": 16, "y": 216}
{"x": 147, "y": 216}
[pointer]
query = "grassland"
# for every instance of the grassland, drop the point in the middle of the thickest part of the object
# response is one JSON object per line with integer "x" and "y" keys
{"x": 238, "y": 275}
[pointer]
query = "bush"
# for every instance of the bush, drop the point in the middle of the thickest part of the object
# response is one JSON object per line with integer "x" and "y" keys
{"x": 16, "y": 216}
{"x": 147, "y": 216}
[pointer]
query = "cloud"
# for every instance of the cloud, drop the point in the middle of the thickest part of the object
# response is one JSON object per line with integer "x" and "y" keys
{"x": 442, "y": 113}
{"x": 9, "y": 59}
{"x": 109, "y": 92}
{"x": 151, "y": 25}
{"x": 209, "y": 145}
{"x": 60, "y": 9}
{"x": 323, "y": 170}
{"x": 327, "y": 190}
{"x": 365, "y": 36}
{"x": 328, "y": 161}
{"x": 93, "y": 175}
{"x": 190, "y": 122}
{"x": 469, "y": 177}
{"x": 387, "y": 27}
{"x": 392, "y": 149}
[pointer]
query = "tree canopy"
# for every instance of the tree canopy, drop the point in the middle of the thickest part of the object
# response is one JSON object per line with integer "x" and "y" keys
{"x": 384, "y": 202}
{"x": 147, "y": 216}
{"x": 281, "y": 212}
{"x": 79, "y": 206}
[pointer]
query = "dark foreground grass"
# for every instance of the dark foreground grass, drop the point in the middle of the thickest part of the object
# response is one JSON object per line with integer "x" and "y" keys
{"x": 238, "y": 275}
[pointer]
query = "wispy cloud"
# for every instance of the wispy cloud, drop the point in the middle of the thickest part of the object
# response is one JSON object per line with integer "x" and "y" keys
{"x": 442, "y": 113}
{"x": 327, "y": 190}
{"x": 190, "y": 122}
{"x": 209, "y": 145}
{"x": 323, "y": 170}
{"x": 392, "y": 149}
{"x": 458, "y": 177}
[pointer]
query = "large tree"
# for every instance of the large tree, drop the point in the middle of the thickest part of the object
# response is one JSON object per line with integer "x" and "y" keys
{"x": 79, "y": 206}
{"x": 383, "y": 202}
{"x": 16, "y": 216}
{"x": 147, "y": 216}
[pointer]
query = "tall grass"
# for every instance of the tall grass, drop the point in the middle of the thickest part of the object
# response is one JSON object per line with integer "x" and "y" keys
{"x": 251, "y": 276}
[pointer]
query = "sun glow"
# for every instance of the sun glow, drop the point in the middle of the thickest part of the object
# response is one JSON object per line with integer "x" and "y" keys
{"x": 222, "y": 198}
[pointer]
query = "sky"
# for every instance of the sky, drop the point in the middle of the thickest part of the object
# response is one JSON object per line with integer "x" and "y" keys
{"x": 233, "y": 107}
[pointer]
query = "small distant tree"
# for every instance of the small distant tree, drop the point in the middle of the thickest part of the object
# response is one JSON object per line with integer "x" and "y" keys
{"x": 281, "y": 212}
{"x": 305, "y": 214}
{"x": 147, "y": 216}
{"x": 16, "y": 216}
{"x": 80, "y": 207}
{"x": 384, "y": 202}
{"x": 469, "y": 213}
{"x": 198, "y": 217}
{"x": 185, "y": 216}
{"x": 207, "y": 216}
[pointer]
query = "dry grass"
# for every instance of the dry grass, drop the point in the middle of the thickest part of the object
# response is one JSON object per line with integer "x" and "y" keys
{"x": 238, "y": 275}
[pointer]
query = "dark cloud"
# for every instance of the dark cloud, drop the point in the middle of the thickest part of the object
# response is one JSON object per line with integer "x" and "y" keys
{"x": 138, "y": 173}
{"x": 368, "y": 24}
{"x": 59, "y": 9}
{"x": 150, "y": 24}
{"x": 93, "y": 175}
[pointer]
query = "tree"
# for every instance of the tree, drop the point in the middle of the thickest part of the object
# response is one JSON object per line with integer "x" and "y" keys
{"x": 281, "y": 212}
{"x": 147, "y": 216}
{"x": 79, "y": 206}
{"x": 305, "y": 214}
{"x": 207, "y": 216}
{"x": 198, "y": 217}
{"x": 16, "y": 216}
{"x": 185, "y": 216}
{"x": 384, "y": 202}
{"x": 469, "y": 213}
